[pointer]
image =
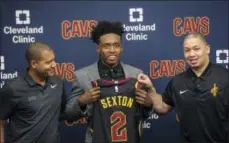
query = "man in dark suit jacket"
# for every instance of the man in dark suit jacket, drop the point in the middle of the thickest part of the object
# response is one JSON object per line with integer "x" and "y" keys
{"x": 107, "y": 36}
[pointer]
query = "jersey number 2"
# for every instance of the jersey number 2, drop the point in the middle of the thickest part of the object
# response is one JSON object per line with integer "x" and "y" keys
{"x": 119, "y": 120}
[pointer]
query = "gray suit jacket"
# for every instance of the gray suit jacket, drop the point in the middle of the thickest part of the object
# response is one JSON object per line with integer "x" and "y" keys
{"x": 81, "y": 83}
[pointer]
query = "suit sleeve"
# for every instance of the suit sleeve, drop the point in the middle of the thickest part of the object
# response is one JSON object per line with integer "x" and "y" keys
{"x": 73, "y": 108}
{"x": 63, "y": 114}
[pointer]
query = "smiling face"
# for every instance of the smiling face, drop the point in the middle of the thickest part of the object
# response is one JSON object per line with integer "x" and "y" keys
{"x": 46, "y": 64}
{"x": 196, "y": 52}
{"x": 110, "y": 48}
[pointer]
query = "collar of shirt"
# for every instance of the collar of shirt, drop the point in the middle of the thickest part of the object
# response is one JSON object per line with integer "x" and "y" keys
{"x": 203, "y": 76}
{"x": 31, "y": 82}
{"x": 107, "y": 72}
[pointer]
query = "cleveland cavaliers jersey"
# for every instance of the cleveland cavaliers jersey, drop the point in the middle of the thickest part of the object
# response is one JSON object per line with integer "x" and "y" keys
{"x": 117, "y": 116}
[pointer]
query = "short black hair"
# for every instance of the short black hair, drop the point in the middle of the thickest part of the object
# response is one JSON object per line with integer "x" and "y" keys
{"x": 34, "y": 50}
{"x": 106, "y": 27}
{"x": 196, "y": 35}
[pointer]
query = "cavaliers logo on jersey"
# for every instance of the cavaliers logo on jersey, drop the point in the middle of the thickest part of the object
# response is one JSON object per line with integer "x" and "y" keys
{"x": 215, "y": 90}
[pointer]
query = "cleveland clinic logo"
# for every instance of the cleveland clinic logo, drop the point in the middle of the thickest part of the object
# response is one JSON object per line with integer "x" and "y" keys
{"x": 136, "y": 14}
{"x": 19, "y": 14}
{"x": 23, "y": 32}
{"x": 222, "y": 57}
{"x": 136, "y": 30}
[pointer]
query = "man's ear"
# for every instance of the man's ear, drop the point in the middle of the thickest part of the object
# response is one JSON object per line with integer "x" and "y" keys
{"x": 33, "y": 63}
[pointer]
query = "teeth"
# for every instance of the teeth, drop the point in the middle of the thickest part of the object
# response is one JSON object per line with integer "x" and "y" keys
{"x": 112, "y": 57}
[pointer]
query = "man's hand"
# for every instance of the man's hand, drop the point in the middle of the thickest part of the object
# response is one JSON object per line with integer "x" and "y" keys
{"x": 146, "y": 82}
{"x": 143, "y": 98}
{"x": 145, "y": 95}
{"x": 89, "y": 96}
{"x": 151, "y": 95}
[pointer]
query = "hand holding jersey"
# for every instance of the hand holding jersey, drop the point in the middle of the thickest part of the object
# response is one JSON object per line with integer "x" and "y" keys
{"x": 141, "y": 93}
{"x": 89, "y": 96}
{"x": 155, "y": 98}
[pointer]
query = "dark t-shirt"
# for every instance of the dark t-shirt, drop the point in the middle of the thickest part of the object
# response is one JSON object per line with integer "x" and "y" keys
{"x": 33, "y": 110}
{"x": 201, "y": 104}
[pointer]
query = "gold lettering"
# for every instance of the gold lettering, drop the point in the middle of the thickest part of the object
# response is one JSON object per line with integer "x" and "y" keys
{"x": 103, "y": 102}
{"x": 114, "y": 101}
{"x": 130, "y": 102}
{"x": 119, "y": 100}
{"x": 124, "y": 100}
{"x": 109, "y": 101}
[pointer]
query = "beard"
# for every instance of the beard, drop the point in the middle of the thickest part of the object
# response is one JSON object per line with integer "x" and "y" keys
{"x": 43, "y": 74}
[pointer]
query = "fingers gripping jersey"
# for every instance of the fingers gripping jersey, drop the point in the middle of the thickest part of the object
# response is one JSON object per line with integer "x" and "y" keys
{"x": 117, "y": 117}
